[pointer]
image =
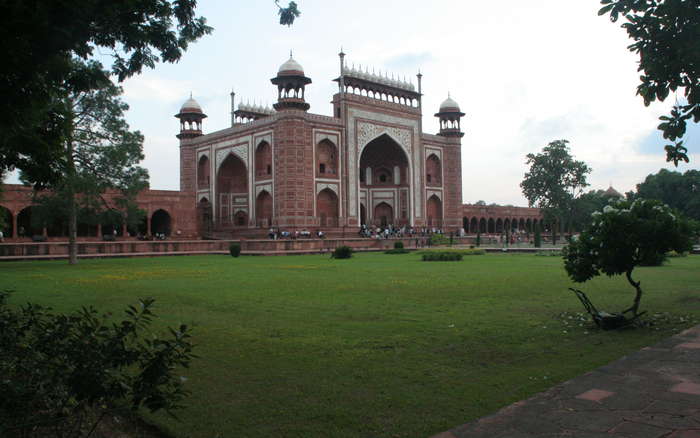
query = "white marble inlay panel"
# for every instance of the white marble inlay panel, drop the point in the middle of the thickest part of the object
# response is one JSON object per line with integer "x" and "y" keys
{"x": 430, "y": 151}
{"x": 437, "y": 193}
{"x": 323, "y": 186}
{"x": 260, "y": 188}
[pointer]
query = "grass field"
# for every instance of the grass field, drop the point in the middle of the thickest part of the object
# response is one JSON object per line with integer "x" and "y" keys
{"x": 374, "y": 346}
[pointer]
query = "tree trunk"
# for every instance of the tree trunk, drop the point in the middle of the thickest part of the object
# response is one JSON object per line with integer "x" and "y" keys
{"x": 72, "y": 230}
{"x": 72, "y": 207}
{"x": 637, "y": 298}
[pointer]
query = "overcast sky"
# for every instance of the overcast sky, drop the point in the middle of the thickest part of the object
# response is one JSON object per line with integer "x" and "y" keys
{"x": 524, "y": 72}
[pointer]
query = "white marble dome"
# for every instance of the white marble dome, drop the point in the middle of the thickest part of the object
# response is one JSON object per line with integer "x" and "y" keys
{"x": 291, "y": 66}
{"x": 449, "y": 105}
{"x": 190, "y": 105}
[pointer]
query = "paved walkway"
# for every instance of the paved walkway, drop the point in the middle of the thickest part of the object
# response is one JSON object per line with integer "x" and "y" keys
{"x": 653, "y": 393}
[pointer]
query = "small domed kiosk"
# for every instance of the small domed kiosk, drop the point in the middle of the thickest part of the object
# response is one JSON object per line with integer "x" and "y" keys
{"x": 291, "y": 83}
{"x": 191, "y": 116}
{"x": 450, "y": 116}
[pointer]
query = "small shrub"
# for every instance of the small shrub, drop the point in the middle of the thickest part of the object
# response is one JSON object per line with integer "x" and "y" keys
{"x": 61, "y": 373}
{"x": 438, "y": 239}
{"x": 398, "y": 245}
{"x": 342, "y": 252}
{"x": 442, "y": 256}
{"x": 235, "y": 249}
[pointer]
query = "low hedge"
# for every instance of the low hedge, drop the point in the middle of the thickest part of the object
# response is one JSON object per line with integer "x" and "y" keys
{"x": 396, "y": 251}
{"x": 442, "y": 256}
{"x": 235, "y": 249}
{"x": 463, "y": 252}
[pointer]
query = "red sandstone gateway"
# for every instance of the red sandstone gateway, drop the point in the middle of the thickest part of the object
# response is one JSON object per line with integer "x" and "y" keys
{"x": 289, "y": 169}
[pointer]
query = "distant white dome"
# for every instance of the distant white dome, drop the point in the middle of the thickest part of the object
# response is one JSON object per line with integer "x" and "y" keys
{"x": 190, "y": 105}
{"x": 291, "y": 66}
{"x": 449, "y": 105}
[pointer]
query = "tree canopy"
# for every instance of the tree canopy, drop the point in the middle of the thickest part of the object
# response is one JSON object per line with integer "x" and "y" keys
{"x": 554, "y": 180}
{"x": 666, "y": 35}
{"x": 678, "y": 190}
{"x": 41, "y": 40}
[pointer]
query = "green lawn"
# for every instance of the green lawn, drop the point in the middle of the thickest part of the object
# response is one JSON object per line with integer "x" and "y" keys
{"x": 375, "y": 346}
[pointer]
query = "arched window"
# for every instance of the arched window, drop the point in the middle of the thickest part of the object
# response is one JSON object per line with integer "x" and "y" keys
{"x": 203, "y": 172}
{"x": 263, "y": 161}
{"x": 433, "y": 171}
{"x": 326, "y": 159}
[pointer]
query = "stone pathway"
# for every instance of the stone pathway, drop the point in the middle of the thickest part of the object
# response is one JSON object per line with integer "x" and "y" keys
{"x": 653, "y": 393}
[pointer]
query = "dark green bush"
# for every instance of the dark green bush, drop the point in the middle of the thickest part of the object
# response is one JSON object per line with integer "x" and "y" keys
{"x": 653, "y": 259}
{"x": 442, "y": 256}
{"x": 398, "y": 245}
{"x": 342, "y": 252}
{"x": 235, "y": 249}
{"x": 62, "y": 372}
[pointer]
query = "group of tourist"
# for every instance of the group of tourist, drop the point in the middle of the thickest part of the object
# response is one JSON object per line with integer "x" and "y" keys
{"x": 276, "y": 234}
{"x": 390, "y": 231}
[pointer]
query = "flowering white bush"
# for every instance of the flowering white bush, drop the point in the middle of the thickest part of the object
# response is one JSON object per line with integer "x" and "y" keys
{"x": 626, "y": 235}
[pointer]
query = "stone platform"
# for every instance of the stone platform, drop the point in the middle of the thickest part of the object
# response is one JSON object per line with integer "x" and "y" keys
{"x": 653, "y": 393}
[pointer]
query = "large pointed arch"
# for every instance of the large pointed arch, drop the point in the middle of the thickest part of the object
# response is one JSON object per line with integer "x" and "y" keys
{"x": 385, "y": 168}
{"x": 231, "y": 187}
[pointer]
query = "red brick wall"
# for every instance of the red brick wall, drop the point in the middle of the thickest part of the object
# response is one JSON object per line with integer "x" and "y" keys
{"x": 188, "y": 164}
{"x": 294, "y": 172}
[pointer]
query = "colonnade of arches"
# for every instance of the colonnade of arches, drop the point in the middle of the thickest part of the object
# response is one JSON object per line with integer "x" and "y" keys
{"x": 27, "y": 224}
{"x": 490, "y": 225}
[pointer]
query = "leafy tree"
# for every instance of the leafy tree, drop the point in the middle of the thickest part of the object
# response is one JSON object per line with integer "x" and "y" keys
{"x": 587, "y": 203}
{"x": 480, "y": 202}
{"x": 99, "y": 153}
{"x": 666, "y": 35}
{"x": 553, "y": 182}
{"x": 626, "y": 235}
{"x": 40, "y": 41}
{"x": 679, "y": 191}
{"x": 538, "y": 236}
{"x": 63, "y": 372}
